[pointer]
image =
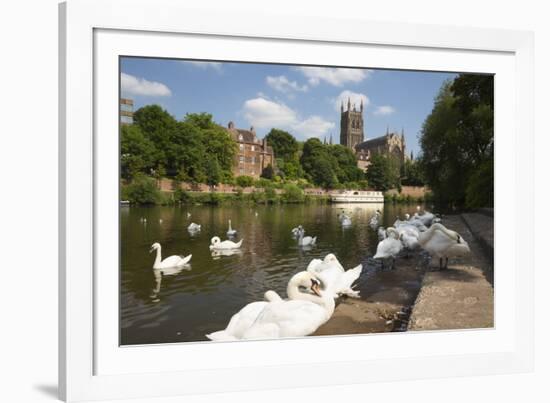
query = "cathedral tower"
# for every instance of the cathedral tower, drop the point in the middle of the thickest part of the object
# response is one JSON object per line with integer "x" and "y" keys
{"x": 351, "y": 125}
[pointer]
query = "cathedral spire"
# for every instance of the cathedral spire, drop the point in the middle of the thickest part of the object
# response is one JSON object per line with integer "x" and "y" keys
{"x": 349, "y": 104}
{"x": 342, "y": 107}
{"x": 330, "y": 139}
{"x": 361, "y": 105}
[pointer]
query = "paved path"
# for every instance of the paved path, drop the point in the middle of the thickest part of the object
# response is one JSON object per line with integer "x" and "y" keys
{"x": 460, "y": 297}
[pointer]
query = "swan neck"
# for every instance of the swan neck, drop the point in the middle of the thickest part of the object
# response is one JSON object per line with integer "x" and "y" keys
{"x": 157, "y": 257}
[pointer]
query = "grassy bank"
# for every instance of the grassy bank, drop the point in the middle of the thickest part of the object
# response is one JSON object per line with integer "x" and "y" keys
{"x": 406, "y": 199}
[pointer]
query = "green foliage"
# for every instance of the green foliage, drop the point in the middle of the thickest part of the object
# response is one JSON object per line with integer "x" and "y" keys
{"x": 412, "y": 174}
{"x": 184, "y": 150}
{"x": 383, "y": 172}
{"x": 457, "y": 142}
{"x": 137, "y": 153}
{"x": 329, "y": 166}
{"x": 244, "y": 181}
{"x": 142, "y": 190}
{"x": 284, "y": 144}
{"x": 293, "y": 194}
{"x": 479, "y": 192}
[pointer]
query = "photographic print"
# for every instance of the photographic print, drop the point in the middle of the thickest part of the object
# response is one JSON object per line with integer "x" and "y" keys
{"x": 268, "y": 201}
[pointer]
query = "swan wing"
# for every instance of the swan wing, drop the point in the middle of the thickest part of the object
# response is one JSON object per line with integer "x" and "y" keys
{"x": 239, "y": 323}
{"x": 315, "y": 266}
{"x": 292, "y": 318}
{"x": 171, "y": 261}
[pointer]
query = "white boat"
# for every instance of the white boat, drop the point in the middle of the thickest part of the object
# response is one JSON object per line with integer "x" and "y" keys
{"x": 357, "y": 196}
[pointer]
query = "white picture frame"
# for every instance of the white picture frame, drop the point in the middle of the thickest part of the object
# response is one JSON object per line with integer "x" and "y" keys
{"x": 92, "y": 366}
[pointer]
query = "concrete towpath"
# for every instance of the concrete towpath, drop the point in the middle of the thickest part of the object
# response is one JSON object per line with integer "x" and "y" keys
{"x": 460, "y": 297}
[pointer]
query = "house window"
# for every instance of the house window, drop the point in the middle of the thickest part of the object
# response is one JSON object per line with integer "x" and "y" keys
{"x": 253, "y": 159}
{"x": 241, "y": 158}
{"x": 252, "y": 148}
{"x": 241, "y": 147}
{"x": 240, "y": 137}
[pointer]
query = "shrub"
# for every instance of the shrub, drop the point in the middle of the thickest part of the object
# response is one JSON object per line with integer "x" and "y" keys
{"x": 244, "y": 181}
{"x": 293, "y": 194}
{"x": 181, "y": 196}
{"x": 270, "y": 195}
{"x": 142, "y": 190}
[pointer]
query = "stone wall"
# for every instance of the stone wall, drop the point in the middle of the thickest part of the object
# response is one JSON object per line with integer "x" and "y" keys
{"x": 413, "y": 191}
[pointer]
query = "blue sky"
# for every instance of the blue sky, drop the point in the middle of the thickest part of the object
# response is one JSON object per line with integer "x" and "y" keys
{"x": 302, "y": 100}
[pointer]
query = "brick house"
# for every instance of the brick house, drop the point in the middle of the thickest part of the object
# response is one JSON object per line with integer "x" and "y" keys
{"x": 253, "y": 155}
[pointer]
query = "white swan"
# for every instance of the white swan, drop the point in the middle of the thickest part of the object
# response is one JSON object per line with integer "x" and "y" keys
{"x": 345, "y": 221}
{"x": 193, "y": 227}
{"x": 442, "y": 242}
{"x": 306, "y": 309}
{"x": 216, "y": 243}
{"x": 231, "y": 231}
{"x": 295, "y": 231}
{"x": 170, "y": 262}
{"x": 333, "y": 276}
{"x": 425, "y": 218}
{"x": 305, "y": 240}
{"x": 188, "y": 214}
{"x": 389, "y": 247}
{"x": 375, "y": 219}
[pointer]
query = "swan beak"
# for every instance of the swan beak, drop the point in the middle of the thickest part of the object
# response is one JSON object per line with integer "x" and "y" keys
{"x": 315, "y": 288}
{"x": 151, "y": 250}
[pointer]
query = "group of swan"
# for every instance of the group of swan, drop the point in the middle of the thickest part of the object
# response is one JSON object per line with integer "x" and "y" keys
{"x": 421, "y": 231}
{"x": 307, "y": 307}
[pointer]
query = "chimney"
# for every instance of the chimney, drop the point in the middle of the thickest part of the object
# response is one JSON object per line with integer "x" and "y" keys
{"x": 231, "y": 125}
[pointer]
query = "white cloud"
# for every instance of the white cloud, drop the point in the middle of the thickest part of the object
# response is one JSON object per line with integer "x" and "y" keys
{"x": 384, "y": 110}
{"x": 217, "y": 66}
{"x": 284, "y": 85}
{"x": 354, "y": 97}
{"x": 314, "y": 126}
{"x": 140, "y": 86}
{"x": 333, "y": 76}
{"x": 265, "y": 114}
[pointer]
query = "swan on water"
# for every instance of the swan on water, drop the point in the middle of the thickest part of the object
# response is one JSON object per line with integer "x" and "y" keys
{"x": 374, "y": 221}
{"x": 170, "y": 262}
{"x": 193, "y": 227}
{"x": 216, "y": 243}
{"x": 188, "y": 214}
{"x": 345, "y": 220}
{"x": 441, "y": 242}
{"x": 305, "y": 240}
{"x": 231, "y": 231}
{"x": 296, "y": 231}
{"x": 333, "y": 276}
{"x": 306, "y": 308}
{"x": 389, "y": 247}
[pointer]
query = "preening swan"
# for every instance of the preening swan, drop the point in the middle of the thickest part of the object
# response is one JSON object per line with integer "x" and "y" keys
{"x": 216, "y": 243}
{"x": 381, "y": 233}
{"x": 170, "y": 262}
{"x": 231, "y": 231}
{"x": 333, "y": 276}
{"x": 193, "y": 227}
{"x": 442, "y": 242}
{"x": 306, "y": 309}
{"x": 389, "y": 247}
{"x": 305, "y": 240}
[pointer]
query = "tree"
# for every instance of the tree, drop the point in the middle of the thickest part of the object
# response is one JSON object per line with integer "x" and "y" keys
{"x": 213, "y": 172}
{"x": 142, "y": 190}
{"x": 411, "y": 174}
{"x": 137, "y": 153}
{"x": 293, "y": 194}
{"x": 457, "y": 142}
{"x": 284, "y": 144}
{"x": 383, "y": 172}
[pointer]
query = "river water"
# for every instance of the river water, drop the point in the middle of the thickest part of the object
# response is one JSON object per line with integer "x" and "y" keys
{"x": 183, "y": 306}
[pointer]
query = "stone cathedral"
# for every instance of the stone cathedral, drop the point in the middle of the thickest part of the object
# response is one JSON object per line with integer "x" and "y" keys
{"x": 352, "y": 136}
